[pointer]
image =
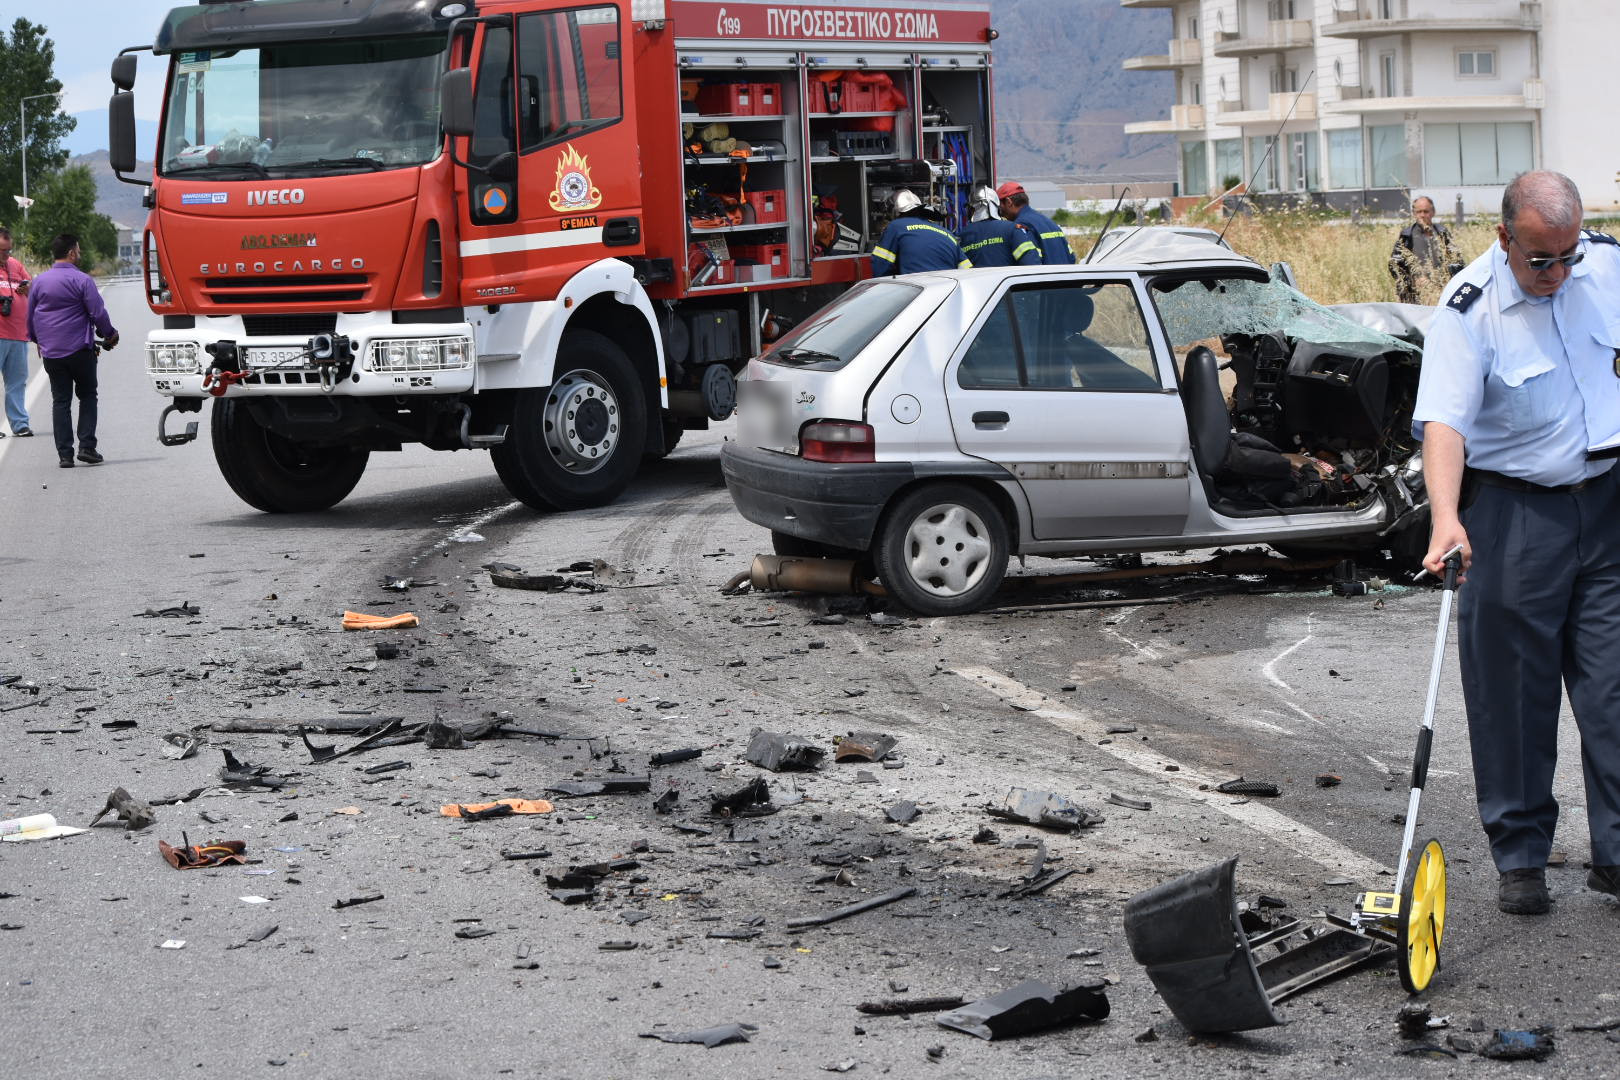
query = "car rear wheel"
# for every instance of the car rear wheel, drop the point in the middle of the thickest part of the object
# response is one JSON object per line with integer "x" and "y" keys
{"x": 942, "y": 549}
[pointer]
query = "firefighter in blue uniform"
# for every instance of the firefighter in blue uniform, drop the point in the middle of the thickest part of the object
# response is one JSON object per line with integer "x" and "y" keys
{"x": 915, "y": 242}
{"x": 987, "y": 240}
{"x": 1043, "y": 230}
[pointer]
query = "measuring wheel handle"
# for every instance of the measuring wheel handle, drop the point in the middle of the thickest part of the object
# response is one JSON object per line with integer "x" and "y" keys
{"x": 1422, "y": 919}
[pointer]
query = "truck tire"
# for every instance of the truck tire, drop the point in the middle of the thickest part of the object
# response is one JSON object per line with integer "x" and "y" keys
{"x": 942, "y": 549}
{"x": 576, "y": 443}
{"x": 275, "y": 474}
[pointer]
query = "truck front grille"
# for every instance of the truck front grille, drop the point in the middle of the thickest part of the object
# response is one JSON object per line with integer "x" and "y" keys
{"x": 287, "y": 289}
{"x": 292, "y": 324}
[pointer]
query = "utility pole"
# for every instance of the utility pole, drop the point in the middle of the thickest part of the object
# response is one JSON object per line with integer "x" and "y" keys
{"x": 22, "y": 108}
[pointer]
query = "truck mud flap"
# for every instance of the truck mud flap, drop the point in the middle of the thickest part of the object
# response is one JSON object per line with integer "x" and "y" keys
{"x": 1188, "y": 936}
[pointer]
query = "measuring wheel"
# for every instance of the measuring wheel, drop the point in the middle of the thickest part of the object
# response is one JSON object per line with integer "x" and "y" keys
{"x": 1422, "y": 918}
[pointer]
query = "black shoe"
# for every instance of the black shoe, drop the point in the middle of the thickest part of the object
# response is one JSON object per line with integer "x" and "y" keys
{"x": 1604, "y": 879}
{"x": 90, "y": 457}
{"x": 24, "y": 432}
{"x": 65, "y": 463}
{"x": 1523, "y": 892}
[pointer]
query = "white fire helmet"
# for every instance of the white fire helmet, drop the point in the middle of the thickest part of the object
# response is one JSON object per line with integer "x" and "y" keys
{"x": 905, "y": 201}
{"x": 986, "y": 204}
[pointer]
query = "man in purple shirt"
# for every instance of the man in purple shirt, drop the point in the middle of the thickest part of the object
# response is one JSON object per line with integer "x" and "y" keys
{"x": 64, "y": 313}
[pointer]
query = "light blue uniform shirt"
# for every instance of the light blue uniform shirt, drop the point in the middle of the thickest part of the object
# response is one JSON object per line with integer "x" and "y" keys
{"x": 1530, "y": 382}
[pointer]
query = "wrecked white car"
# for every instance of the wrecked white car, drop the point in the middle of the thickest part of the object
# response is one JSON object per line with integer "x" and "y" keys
{"x": 1174, "y": 396}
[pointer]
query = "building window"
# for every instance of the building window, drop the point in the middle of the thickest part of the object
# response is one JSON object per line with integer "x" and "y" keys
{"x": 1477, "y": 64}
{"x": 1280, "y": 9}
{"x": 1386, "y": 153}
{"x": 1195, "y": 92}
{"x": 1192, "y": 26}
{"x": 1303, "y": 171}
{"x": 1228, "y": 163}
{"x": 1263, "y": 155}
{"x": 1344, "y": 158}
{"x": 1475, "y": 154}
{"x": 1386, "y": 68}
{"x": 1386, "y": 9}
{"x": 1194, "y": 169}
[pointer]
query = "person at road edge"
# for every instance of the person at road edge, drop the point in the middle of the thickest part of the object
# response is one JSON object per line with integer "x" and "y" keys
{"x": 1521, "y": 376}
{"x": 1424, "y": 255}
{"x": 65, "y": 313}
{"x": 14, "y": 336}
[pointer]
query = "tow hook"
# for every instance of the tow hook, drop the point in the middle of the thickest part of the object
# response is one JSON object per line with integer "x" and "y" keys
{"x": 178, "y": 405}
{"x": 333, "y": 354}
{"x": 479, "y": 442}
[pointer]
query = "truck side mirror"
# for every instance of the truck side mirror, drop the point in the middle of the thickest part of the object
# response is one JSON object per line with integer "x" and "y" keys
{"x": 504, "y": 168}
{"x": 123, "y": 71}
{"x": 121, "y": 129}
{"x": 456, "y": 101}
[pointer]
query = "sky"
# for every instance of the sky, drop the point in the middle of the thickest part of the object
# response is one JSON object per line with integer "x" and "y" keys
{"x": 88, "y": 34}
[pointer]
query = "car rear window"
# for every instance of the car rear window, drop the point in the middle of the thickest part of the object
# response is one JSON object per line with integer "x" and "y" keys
{"x": 837, "y": 333}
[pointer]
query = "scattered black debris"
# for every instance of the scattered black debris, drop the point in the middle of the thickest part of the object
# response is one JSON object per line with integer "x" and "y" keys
{"x": 134, "y": 813}
{"x": 355, "y": 901}
{"x": 1534, "y": 1045}
{"x": 907, "y": 1006}
{"x": 1328, "y": 779}
{"x": 494, "y": 810}
{"x": 1416, "y": 1019}
{"x": 387, "y": 650}
{"x": 519, "y": 855}
{"x": 607, "y": 785}
{"x": 709, "y": 1037}
{"x": 1129, "y": 803}
{"x": 1032, "y": 1005}
{"x": 1427, "y": 1050}
{"x": 903, "y": 812}
{"x": 1121, "y": 729}
{"x": 119, "y": 725}
{"x": 869, "y": 746}
{"x": 776, "y": 752}
{"x": 469, "y": 932}
{"x": 512, "y": 578}
{"x": 183, "y": 610}
{"x": 883, "y": 618}
{"x": 986, "y": 835}
{"x": 320, "y": 754}
{"x": 618, "y": 945}
{"x": 746, "y": 934}
{"x": 671, "y": 757}
{"x": 746, "y": 799}
{"x": 854, "y": 909}
{"x": 666, "y": 802}
{"x": 1241, "y": 786}
{"x": 1608, "y": 1024}
{"x": 1149, "y": 1035}
{"x": 387, "y": 767}
{"x": 1043, "y": 808}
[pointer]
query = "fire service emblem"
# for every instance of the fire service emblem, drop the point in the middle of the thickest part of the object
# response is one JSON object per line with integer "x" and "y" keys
{"x": 574, "y": 188}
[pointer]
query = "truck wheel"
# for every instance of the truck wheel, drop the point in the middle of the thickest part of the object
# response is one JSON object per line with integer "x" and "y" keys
{"x": 276, "y": 474}
{"x": 578, "y": 442}
{"x": 942, "y": 549}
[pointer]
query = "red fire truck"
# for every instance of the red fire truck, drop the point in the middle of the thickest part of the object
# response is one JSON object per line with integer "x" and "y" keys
{"x": 552, "y": 229}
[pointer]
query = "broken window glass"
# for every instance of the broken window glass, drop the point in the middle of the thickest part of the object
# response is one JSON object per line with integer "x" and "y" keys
{"x": 1201, "y": 309}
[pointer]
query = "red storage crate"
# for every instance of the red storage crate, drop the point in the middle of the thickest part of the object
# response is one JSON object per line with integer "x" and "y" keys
{"x": 769, "y": 206}
{"x": 818, "y": 96}
{"x": 774, "y": 256}
{"x": 858, "y": 97}
{"x": 726, "y": 99}
{"x": 768, "y": 99}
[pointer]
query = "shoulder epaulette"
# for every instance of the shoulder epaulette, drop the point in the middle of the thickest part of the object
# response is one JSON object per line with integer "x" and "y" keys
{"x": 1598, "y": 237}
{"x": 1464, "y": 297}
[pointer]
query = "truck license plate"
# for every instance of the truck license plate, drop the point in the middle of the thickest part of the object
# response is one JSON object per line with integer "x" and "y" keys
{"x": 272, "y": 355}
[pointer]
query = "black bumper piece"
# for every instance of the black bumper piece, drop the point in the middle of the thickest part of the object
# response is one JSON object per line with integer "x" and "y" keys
{"x": 830, "y": 503}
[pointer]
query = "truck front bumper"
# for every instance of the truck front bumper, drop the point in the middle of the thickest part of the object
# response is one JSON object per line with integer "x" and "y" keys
{"x": 838, "y": 504}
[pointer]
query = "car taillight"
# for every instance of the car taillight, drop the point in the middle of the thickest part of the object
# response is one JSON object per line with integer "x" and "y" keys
{"x": 837, "y": 440}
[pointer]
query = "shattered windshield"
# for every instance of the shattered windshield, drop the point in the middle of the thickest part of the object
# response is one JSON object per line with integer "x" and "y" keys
{"x": 1199, "y": 309}
{"x": 303, "y": 109}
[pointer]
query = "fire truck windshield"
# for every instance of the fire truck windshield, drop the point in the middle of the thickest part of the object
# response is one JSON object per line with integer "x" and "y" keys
{"x": 303, "y": 109}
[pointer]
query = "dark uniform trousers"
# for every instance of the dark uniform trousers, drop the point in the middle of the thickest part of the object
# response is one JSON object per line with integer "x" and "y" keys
{"x": 1541, "y": 609}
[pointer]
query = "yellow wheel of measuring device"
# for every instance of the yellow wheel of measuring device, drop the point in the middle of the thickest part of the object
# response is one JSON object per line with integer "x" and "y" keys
{"x": 1423, "y": 918}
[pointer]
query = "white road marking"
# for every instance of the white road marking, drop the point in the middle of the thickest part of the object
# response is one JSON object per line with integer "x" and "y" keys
{"x": 1270, "y": 823}
{"x": 1147, "y": 652}
{"x": 1269, "y": 670}
{"x": 31, "y": 396}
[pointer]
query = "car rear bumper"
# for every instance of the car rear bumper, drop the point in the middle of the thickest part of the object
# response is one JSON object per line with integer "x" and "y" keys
{"x": 830, "y": 503}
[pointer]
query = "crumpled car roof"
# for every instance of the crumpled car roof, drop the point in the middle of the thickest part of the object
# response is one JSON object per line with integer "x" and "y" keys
{"x": 1158, "y": 245}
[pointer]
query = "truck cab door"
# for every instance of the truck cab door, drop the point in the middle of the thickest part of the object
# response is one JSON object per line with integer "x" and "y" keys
{"x": 1062, "y": 384}
{"x": 556, "y": 90}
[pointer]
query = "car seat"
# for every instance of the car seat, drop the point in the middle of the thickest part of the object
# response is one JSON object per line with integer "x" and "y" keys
{"x": 1240, "y": 469}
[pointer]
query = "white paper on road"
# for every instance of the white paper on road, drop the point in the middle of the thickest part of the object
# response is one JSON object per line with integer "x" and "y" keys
{"x": 34, "y": 827}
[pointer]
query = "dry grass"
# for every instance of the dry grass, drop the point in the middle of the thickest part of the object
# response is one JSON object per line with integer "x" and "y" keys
{"x": 1336, "y": 262}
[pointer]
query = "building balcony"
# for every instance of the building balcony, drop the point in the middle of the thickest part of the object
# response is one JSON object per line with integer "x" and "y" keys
{"x": 1184, "y": 52}
{"x": 1532, "y": 96}
{"x": 1356, "y": 23}
{"x": 1277, "y": 107}
{"x": 1182, "y": 118}
{"x": 1280, "y": 34}
{"x": 1148, "y": 3}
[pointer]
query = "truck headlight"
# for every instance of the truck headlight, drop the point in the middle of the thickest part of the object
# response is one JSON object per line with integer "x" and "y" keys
{"x": 419, "y": 354}
{"x": 172, "y": 358}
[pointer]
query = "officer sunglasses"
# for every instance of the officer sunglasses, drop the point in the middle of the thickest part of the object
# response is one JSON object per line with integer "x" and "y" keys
{"x": 1543, "y": 263}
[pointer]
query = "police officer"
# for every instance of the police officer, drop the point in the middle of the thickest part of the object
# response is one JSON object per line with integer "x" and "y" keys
{"x": 987, "y": 240}
{"x": 1015, "y": 208}
{"x": 1521, "y": 375}
{"x": 915, "y": 242}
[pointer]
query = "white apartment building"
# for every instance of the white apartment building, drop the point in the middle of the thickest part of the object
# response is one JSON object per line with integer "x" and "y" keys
{"x": 1389, "y": 99}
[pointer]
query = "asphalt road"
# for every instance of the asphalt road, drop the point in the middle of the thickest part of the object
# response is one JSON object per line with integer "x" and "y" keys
{"x": 1278, "y": 686}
